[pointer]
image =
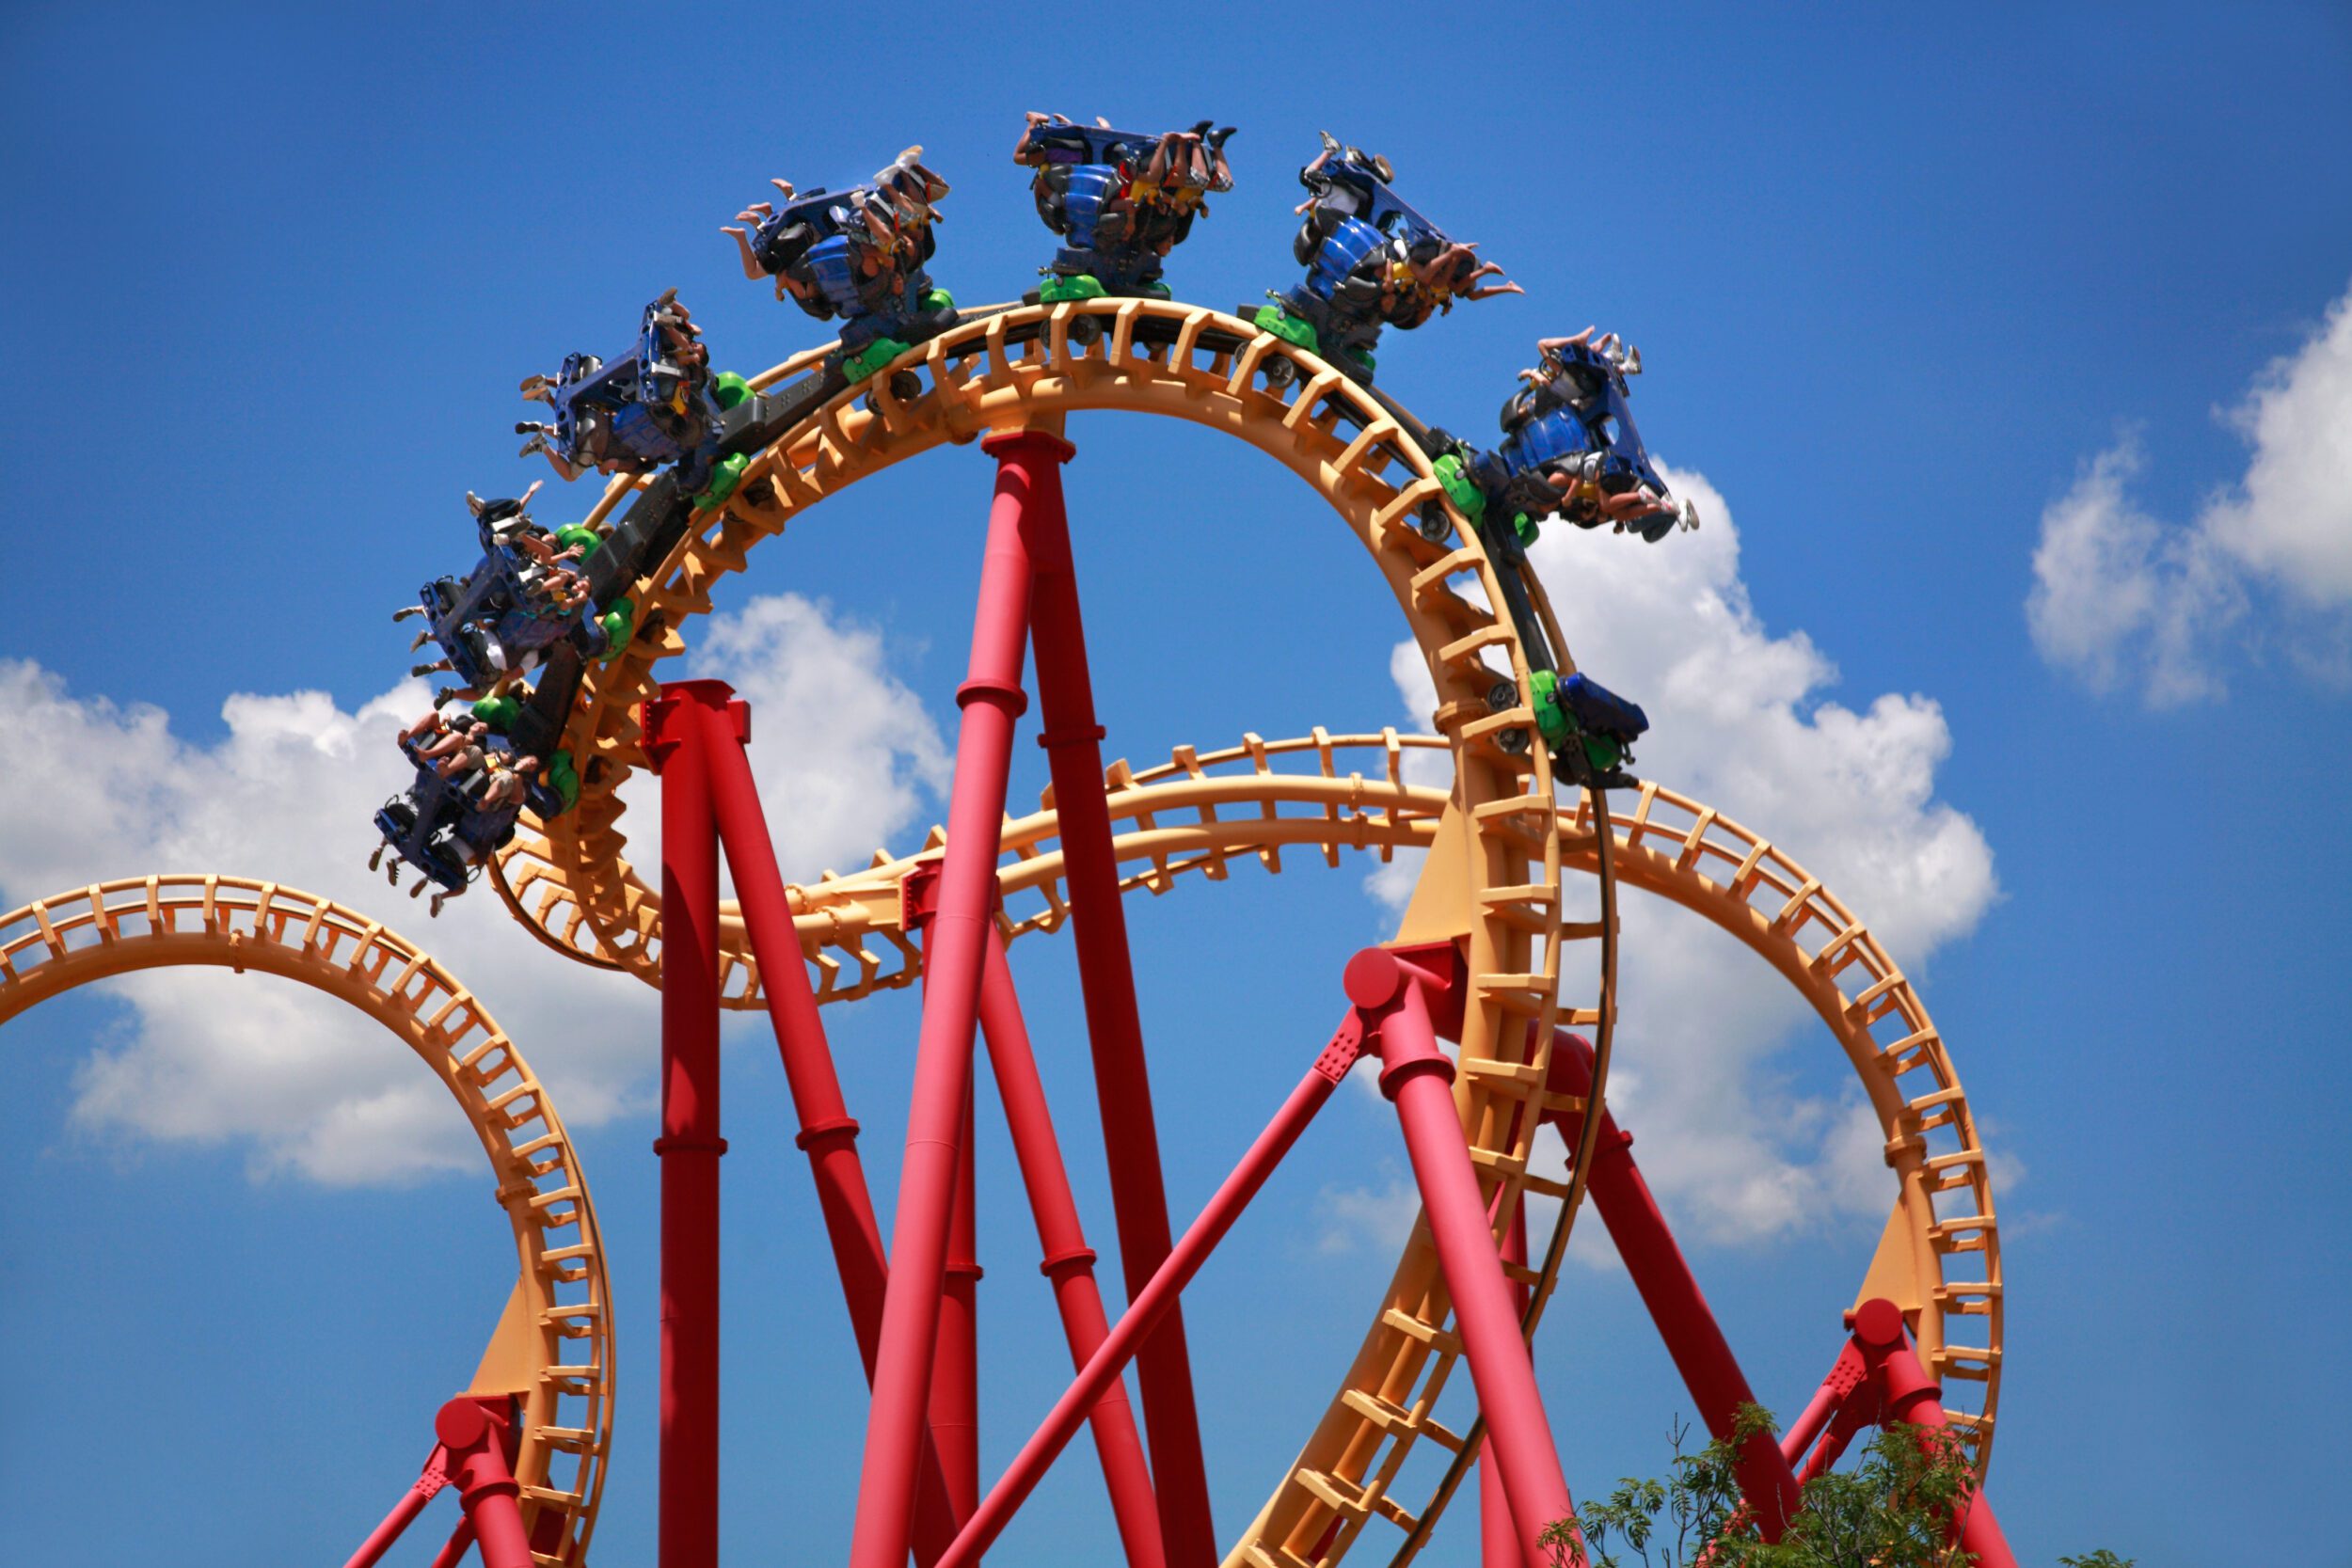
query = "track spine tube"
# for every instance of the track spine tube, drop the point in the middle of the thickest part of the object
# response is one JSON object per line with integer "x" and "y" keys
{"x": 1072, "y": 736}
{"x": 1143, "y": 1314}
{"x": 1068, "y": 1263}
{"x": 1671, "y": 1292}
{"x": 679, "y": 737}
{"x": 954, "y": 949}
{"x": 827, "y": 1133}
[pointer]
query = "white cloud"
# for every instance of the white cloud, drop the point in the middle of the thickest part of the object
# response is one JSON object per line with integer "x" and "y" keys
{"x": 301, "y": 1083}
{"x": 845, "y": 755}
{"x": 2121, "y": 598}
{"x": 1738, "y": 722}
{"x": 1378, "y": 1218}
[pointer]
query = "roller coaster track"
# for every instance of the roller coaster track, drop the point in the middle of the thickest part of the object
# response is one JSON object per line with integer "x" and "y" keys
{"x": 1026, "y": 368}
{"x": 552, "y": 1348}
{"x": 1501, "y": 842}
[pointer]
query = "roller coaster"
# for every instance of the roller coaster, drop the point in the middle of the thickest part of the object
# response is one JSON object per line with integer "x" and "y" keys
{"x": 1491, "y": 1013}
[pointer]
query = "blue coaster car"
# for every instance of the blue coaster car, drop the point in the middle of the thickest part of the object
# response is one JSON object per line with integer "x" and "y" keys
{"x": 1119, "y": 199}
{"x": 1572, "y": 428}
{"x": 448, "y": 828}
{"x": 654, "y": 405}
{"x": 856, "y": 255}
{"x": 1597, "y": 711}
{"x": 1371, "y": 261}
{"x": 522, "y": 598}
{"x": 1590, "y": 729}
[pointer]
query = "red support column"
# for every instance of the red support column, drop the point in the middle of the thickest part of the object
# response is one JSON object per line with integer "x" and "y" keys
{"x": 1072, "y": 739}
{"x": 954, "y": 953}
{"x": 1497, "y": 1542}
{"x": 1907, "y": 1393}
{"x": 1672, "y": 1293}
{"x": 690, "y": 1145}
{"x": 1151, "y": 1304}
{"x": 477, "y": 1467}
{"x": 1417, "y": 1077}
{"x": 1069, "y": 1261}
{"x": 955, "y": 1378}
{"x": 827, "y": 1134}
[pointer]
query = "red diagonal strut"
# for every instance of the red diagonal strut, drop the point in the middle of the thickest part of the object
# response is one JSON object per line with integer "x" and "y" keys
{"x": 1396, "y": 996}
{"x": 954, "y": 954}
{"x": 1069, "y": 1261}
{"x": 1071, "y": 738}
{"x": 1158, "y": 1298}
{"x": 827, "y": 1134}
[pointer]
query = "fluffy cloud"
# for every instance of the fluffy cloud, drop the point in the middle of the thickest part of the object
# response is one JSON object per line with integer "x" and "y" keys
{"x": 1376, "y": 1218}
{"x": 2122, "y": 599}
{"x": 300, "y": 1083}
{"x": 1739, "y": 723}
{"x": 845, "y": 755}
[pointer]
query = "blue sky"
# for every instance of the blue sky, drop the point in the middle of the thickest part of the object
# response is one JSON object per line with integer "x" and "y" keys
{"x": 2009, "y": 348}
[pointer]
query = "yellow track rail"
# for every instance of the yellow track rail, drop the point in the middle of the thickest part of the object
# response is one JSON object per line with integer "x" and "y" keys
{"x": 553, "y": 1349}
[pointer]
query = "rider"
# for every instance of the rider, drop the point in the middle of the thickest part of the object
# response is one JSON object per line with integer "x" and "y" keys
{"x": 1371, "y": 261}
{"x": 1119, "y": 200}
{"x": 857, "y": 254}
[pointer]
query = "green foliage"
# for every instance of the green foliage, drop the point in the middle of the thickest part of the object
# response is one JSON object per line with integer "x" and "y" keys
{"x": 1893, "y": 1509}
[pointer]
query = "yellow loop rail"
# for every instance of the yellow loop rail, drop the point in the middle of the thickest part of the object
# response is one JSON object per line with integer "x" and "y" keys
{"x": 553, "y": 1346}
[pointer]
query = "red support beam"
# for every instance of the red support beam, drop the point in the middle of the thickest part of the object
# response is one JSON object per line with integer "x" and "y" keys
{"x": 1908, "y": 1394}
{"x": 827, "y": 1133}
{"x": 1068, "y": 1263}
{"x": 690, "y": 1145}
{"x": 1845, "y": 1375}
{"x": 956, "y": 1379}
{"x": 1072, "y": 740}
{"x": 1151, "y": 1303}
{"x": 1416, "y": 1075}
{"x": 428, "y": 1485}
{"x": 1497, "y": 1542}
{"x": 1671, "y": 1291}
{"x": 474, "y": 1436}
{"x": 955, "y": 949}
